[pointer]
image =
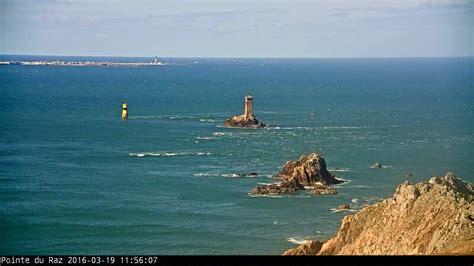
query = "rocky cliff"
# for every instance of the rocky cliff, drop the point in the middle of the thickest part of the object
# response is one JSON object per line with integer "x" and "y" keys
{"x": 250, "y": 121}
{"x": 434, "y": 217}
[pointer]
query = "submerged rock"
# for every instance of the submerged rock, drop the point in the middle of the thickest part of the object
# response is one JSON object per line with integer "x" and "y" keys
{"x": 286, "y": 186}
{"x": 308, "y": 170}
{"x": 434, "y": 217}
{"x": 319, "y": 189}
{"x": 241, "y": 175}
{"x": 248, "y": 175}
{"x": 245, "y": 121}
{"x": 377, "y": 165}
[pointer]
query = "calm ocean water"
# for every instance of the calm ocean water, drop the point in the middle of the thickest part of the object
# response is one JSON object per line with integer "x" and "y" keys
{"x": 76, "y": 179}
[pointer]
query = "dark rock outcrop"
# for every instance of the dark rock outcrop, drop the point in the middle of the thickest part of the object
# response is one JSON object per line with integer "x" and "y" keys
{"x": 248, "y": 175}
{"x": 286, "y": 186}
{"x": 343, "y": 207}
{"x": 377, "y": 165}
{"x": 244, "y": 121}
{"x": 308, "y": 170}
{"x": 241, "y": 175}
{"x": 434, "y": 217}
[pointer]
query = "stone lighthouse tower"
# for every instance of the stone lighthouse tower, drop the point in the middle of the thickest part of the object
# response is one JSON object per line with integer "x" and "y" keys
{"x": 248, "y": 106}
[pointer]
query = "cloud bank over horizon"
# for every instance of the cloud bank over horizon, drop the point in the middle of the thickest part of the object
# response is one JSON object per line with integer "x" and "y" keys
{"x": 262, "y": 28}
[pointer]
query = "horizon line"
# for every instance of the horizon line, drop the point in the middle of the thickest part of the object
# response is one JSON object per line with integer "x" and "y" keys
{"x": 244, "y": 57}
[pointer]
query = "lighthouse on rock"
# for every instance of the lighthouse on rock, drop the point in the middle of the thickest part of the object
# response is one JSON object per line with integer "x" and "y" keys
{"x": 247, "y": 119}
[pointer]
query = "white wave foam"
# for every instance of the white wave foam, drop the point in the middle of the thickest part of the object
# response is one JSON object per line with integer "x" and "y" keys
{"x": 143, "y": 154}
{"x": 145, "y": 117}
{"x": 364, "y": 201}
{"x": 300, "y": 195}
{"x": 204, "y": 138}
{"x": 219, "y": 134}
{"x": 383, "y": 166}
{"x": 205, "y": 174}
{"x": 273, "y": 177}
{"x": 334, "y": 210}
{"x": 230, "y": 175}
{"x": 297, "y": 240}
{"x": 344, "y": 127}
{"x": 290, "y": 128}
{"x": 362, "y": 186}
{"x": 342, "y": 179}
{"x": 265, "y": 196}
{"x": 207, "y": 120}
{"x": 340, "y": 170}
{"x": 166, "y": 154}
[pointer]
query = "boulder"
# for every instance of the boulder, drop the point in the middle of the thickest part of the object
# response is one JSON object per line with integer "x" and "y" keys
{"x": 308, "y": 170}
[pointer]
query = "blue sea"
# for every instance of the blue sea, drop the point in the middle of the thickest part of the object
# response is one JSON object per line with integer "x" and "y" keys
{"x": 77, "y": 179}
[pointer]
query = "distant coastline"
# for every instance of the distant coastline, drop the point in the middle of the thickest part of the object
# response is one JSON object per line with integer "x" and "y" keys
{"x": 80, "y": 63}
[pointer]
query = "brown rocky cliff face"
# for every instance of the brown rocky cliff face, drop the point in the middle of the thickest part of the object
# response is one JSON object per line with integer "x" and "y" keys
{"x": 434, "y": 217}
{"x": 309, "y": 248}
{"x": 308, "y": 170}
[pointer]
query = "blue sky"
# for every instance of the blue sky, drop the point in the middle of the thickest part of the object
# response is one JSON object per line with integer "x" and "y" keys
{"x": 244, "y": 28}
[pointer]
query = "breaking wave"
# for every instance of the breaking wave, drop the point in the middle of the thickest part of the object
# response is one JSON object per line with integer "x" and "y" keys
{"x": 265, "y": 196}
{"x": 207, "y": 120}
{"x": 230, "y": 175}
{"x": 340, "y": 170}
{"x": 205, "y": 174}
{"x": 204, "y": 138}
{"x": 296, "y": 240}
{"x": 218, "y": 134}
{"x": 383, "y": 166}
{"x": 167, "y": 154}
{"x": 203, "y": 118}
{"x": 334, "y": 210}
